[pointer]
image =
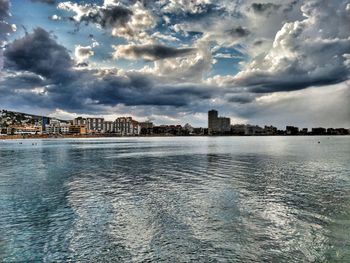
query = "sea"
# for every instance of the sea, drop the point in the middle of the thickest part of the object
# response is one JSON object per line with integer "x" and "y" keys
{"x": 175, "y": 199}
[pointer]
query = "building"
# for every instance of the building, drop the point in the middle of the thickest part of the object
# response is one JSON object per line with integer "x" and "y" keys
{"x": 238, "y": 129}
{"x": 254, "y": 130}
{"x": 127, "y": 126}
{"x": 3, "y": 131}
{"x": 25, "y": 130}
{"x": 109, "y": 127}
{"x": 44, "y": 121}
{"x": 216, "y": 124}
{"x": 270, "y": 130}
{"x": 168, "y": 130}
{"x": 212, "y": 120}
{"x": 200, "y": 131}
{"x": 53, "y": 127}
{"x": 64, "y": 128}
{"x": 337, "y": 131}
{"x": 80, "y": 121}
{"x": 78, "y": 129}
{"x": 136, "y": 128}
{"x": 304, "y": 131}
{"x": 291, "y": 130}
{"x": 318, "y": 131}
{"x": 94, "y": 125}
{"x": 248, "y": 129}
{"x": 146, "y": 127}
{"x": 57, "y": 127}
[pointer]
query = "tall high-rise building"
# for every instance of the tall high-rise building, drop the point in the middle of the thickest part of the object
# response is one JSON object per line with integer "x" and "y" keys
{"x": 212, "y": 119}
{"x": 44, "y": 121}
{"x": 217, "y": 124}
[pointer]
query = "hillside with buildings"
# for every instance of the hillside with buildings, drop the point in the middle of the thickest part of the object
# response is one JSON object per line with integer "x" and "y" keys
{"x": 8, "y": 118}
{"x": 16, "y": 123}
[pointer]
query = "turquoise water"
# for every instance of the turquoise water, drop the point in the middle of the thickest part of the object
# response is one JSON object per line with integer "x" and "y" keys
{"x": 180, "y": 199}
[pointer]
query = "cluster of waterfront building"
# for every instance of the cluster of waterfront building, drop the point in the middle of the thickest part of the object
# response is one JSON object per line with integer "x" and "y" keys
{"x": 123, "y": 126}
{"x": 222, "y": 126}
{"x": 127, "y": 126}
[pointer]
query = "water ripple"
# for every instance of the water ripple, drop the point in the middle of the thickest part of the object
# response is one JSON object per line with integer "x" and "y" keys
{"x": 224, "y": 199}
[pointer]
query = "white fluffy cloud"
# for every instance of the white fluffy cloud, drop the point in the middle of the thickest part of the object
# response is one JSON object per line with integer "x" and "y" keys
{"x": 55, "y": 17}
{"x": 82, "y": 53}
{"x": 129, "y": 22}
{"x": 186, "y": 6}
{"x": 193, "y": 67}
{"x": 304, "y": 53}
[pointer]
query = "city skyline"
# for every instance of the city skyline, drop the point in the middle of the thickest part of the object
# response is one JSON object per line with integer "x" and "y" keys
{"x": 171, "y": 61}
{"x": 23, "y": 124}
{"x": 224, "y": 121}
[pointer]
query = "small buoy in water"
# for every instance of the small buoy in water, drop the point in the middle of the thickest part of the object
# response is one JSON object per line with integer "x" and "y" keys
{"x": 20, "y": 143}
{"x": 319, "y": 142}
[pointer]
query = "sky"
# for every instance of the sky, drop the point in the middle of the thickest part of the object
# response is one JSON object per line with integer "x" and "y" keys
{"x": 273, "y": 62}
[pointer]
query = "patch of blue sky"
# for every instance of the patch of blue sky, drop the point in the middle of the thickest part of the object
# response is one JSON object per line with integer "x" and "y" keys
{"x": 234, "y": 51}
{"x": 121, "y": 63}
{"x": 68, "y": 33}
{"x": 225, "y": 66}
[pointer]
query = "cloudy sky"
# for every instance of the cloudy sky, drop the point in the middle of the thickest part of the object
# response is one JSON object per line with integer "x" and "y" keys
{"x": 273, "y": 62}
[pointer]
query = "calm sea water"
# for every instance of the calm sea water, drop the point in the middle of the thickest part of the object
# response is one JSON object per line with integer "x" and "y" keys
{"x": 218, "y": 199}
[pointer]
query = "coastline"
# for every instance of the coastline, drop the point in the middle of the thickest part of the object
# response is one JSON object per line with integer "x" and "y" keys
{"x": 41, "y": 136}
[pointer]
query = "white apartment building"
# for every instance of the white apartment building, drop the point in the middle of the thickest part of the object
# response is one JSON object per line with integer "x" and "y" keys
{"x": 95, "y": 125}
{"x": 109, "y": 127}
{"x": 80, "y": 121}
{"x": 127, "y": 126}
{"x": 57, "y": 127}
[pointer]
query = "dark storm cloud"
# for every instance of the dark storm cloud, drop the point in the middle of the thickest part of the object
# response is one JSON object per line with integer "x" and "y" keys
{"x": 116, "y": 15}
{"x": 258, "y": 42}
{"x": 50, "y": 2}
{"x": 123, "y": 21}
{"x": 242, "y": 99}
{"x": 289, "y": 84}
{"x": 106, "y": 17}
{"x": 151, "y": 52}
{"x": 238, "y": 32}
{"x": 39, "y": 53}
{"x": 261, "y": 8}
{"x": 4, "y": 9}
{"x": 140, "y": 90}
{"x": 25, "y": 80}
{"x": 83, "y": 51}
{"x": 82, "y": 64}
{"x": 290, "y": 6}
{"x": 87, "y": 92}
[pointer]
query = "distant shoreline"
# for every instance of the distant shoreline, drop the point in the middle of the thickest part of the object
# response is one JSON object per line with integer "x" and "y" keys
{"x": 31, "y": 137}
